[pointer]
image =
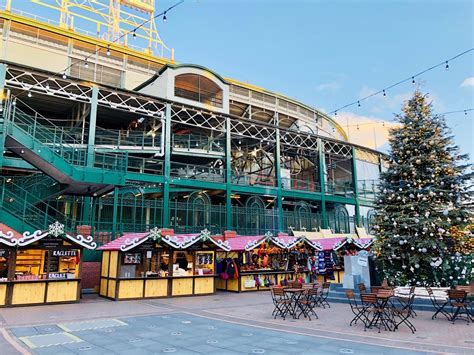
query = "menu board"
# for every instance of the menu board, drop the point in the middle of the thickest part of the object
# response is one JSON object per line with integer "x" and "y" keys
{"x": 53, "y": 263}
{"x": 204, "y": 258}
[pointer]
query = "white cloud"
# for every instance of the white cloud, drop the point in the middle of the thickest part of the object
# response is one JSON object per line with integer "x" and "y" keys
{"x": 368, "y": 131}
{"x": 328, "y": 86}
{"x": 468, "y": 82}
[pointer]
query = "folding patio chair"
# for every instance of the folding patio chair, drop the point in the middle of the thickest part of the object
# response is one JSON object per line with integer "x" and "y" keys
{"x": 405, "y": 312}
{"x": 405, "y": 303}
{"x": 460, "y": 310}
{"x": 359, "y": 311}
{"x": 370, "y": 305}
{"x": 308, "y": 302}
{"x": 281, "y": 302}
{"x": 323, "y": 297}
{"x": 438, "y": 304}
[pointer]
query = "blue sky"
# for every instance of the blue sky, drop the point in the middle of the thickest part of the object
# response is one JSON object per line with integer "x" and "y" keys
{"x": 329, "y": 53}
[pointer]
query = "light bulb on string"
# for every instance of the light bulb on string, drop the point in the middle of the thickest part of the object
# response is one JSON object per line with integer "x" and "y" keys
{"x": 412, "y": 79}
{"x": 447, "y": 66}
{"x": 64, "y": 76}
{"x": 358, "y": 103}
{"x": 384, "y": 93}
{"x": 108, "y": 50}
{"x": 335, "y": 113}
{"x": 86, "y": 63}
{"x": 465, "y": 112}
{"x": 164, "y": 17}
{"x": 29, "y": 94}
{"x": 134, "y": 34}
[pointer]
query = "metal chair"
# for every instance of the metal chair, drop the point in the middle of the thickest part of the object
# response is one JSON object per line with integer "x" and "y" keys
{"x": 281, "y": 302}
{"x": 323, "y": 297}
{"x": 460, "y": 310}
{"x": 359, "y": 312}
{"x": 405, "y": 312}
{"x": 308, "y": 303}
{"x": 438, "y": 304}
{"x": 370, "y": 305}
{"x": 405, "y": 303}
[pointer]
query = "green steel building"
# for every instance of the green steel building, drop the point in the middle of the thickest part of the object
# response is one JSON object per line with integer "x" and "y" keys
{"x": 125, "y": 141}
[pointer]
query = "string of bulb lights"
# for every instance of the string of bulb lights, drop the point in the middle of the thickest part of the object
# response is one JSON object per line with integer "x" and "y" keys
{"x": 383, "y": 123}
{"x": 133, "y": 31}
{"x": 411, "y": 79}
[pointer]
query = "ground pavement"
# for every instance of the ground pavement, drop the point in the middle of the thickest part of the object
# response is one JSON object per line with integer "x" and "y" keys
{"x": 225, "y": 323}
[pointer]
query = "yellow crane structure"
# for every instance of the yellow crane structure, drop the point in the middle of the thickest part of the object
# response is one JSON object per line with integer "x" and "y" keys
{"x": 131, "y": 23}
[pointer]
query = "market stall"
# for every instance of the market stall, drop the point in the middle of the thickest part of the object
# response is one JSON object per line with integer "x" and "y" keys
{"x": 334, "y": 247}
{"x": 255, "y": 263}
{"x": 42, "y": 267}
{"x": 159, "y": 264}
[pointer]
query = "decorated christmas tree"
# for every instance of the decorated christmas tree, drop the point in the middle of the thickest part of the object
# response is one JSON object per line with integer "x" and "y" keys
{"x": 424, "y": 233}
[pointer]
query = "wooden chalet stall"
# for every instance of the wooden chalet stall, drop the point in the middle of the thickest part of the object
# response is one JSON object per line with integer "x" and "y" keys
{"x": 159, "y": 264}
{"x": 333, "y": 248}
{"x": 42, "y": 267}
{"x": 263, "y": 261}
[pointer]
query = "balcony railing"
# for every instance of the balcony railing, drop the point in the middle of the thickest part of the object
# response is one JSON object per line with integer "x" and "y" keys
{"x": 368, "y": 188}
{"x": 199, "y": 142}
{"x": 253, "y": 179}
{"x": 339, "y": 188}
{"x": 297, "y": 184}
{"x": 197, "y": 172}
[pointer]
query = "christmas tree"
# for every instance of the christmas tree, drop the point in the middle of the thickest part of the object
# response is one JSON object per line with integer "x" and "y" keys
{"x": 424, "y": 233}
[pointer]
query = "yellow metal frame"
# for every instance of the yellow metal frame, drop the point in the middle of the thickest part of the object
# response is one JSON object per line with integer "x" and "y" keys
{"x": 114, "y": 16}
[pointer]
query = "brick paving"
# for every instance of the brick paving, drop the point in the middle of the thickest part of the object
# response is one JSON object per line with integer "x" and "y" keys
{"x": 225, "y": 323}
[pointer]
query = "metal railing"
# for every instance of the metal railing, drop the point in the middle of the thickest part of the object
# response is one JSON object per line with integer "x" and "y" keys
{"x": 303, "y": 185}
{"x": 198, "y": 142}
{"x": 339, "y": 188}
{"x": 368, "y": 188}
{"x": 145, "y": 165}
{"x": 197, "y": 172}
{"x": 253, "y": 179}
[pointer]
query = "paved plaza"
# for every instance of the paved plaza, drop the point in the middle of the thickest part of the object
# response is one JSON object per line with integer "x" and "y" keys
{"x": 224, "y": 323}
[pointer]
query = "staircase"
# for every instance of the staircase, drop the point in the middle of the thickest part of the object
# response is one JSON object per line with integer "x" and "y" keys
{"x": 67, "y": 163}
{"x": 41, "y": 186}
{"x": 23, "y": 211}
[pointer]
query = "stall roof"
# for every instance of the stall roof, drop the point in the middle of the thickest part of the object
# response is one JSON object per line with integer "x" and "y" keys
{"x": 56, "y": 229}
{"x": 179, "y": 241}
{"x": 126, "y": 242}
{"x": 284, "y": 241}
{"x": 245, "y": 242}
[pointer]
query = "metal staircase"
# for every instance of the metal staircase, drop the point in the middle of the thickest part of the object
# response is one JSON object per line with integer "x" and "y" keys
{"x": 25, "y": 211}
{"x": 67, "y": 163}
{"x": 39, "y": 185}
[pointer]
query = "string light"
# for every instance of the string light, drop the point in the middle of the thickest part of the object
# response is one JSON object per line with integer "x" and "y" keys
{"x": 410, "y": 78}
{"x": 108, "y": 50}
{"x": 358, "y": 103}
{"x": 64, "y": 76}
{"x": 164, "y": 17}
{"x": 134, "y": 34}
{"x": 30, "y": 94}
{"x": 86, "y": 63}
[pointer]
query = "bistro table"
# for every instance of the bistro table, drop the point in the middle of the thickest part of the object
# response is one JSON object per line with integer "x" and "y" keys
{"x": 295, "y": 296}
{"x": 383, "y": 315}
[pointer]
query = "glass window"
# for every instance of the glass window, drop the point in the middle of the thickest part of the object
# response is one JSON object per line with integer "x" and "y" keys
{"x": 156, "y": 263}
{"x": 204, "y": 263}
{"x": 133, "y": 264}
{"x": 198, "y": 88}
{"x": 31, "y": 265}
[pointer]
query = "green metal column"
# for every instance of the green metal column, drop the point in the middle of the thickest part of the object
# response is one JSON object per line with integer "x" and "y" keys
{"x": 356, "y": 187}
{"x": 3, "y": 76}
{"x": 167, "y": 168}
{"x": 278, "y": 177}
{"x": 92, "y": 126}
{"x": 228, "y": 175}
{"x": 114, "y": 216}
{"x": 322, "y": 184}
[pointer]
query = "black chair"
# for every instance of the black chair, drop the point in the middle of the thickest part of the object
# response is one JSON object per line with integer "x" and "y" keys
{"x": 308, "y": 303}
{"x": 370, "y": 306}
{"x": 323, "y": 297}
{"x": 460, "y": 310}
{"x": 359, "y": 312}
{"x": 404, "y": 313}
{"x": 281, "y": 302}
{"x": 405, "y": 301}
{"x": 438, "y": 304}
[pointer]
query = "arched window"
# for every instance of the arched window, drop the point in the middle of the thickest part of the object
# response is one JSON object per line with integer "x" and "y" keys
{"x": 198, "y": 88}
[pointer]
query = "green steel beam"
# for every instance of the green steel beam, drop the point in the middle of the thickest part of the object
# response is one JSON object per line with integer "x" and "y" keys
{"x": 16, "y": 163}
{"x": 207, "y": 185}
{"x": 278, "y": 177}
{"x": 322, "y": 183}
{"x": 356, "y": 186}
{"x": 166, "y": 186}
{"x": 114, "y": 215}
{"x": 228, "y": 177}
{"x": 3, "y": 76}
{"x": 92, "y": 126}
{"x": 255, "y": 190}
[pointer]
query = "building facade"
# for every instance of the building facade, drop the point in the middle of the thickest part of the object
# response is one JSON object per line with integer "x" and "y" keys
{"x": 125, "y": 141}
